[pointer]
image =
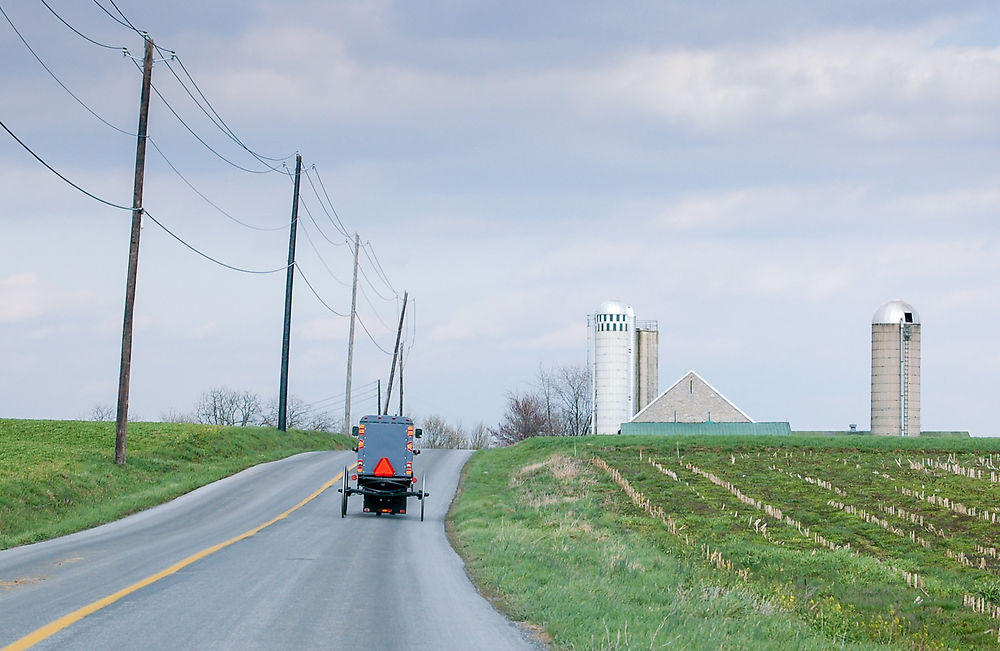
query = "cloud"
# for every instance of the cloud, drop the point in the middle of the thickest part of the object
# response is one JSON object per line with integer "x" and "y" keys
{"x": 25, "y": 296}
{"x": 870, "y": 81}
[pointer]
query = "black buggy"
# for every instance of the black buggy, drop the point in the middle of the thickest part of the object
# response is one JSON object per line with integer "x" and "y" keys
{"x": 385, "y": 466}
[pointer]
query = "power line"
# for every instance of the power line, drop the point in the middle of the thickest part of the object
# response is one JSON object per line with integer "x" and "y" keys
{"x": 228, "y": 129}
{"x": 373, "y": 258}
{"x": 210, "y": 258}
{"x": 340, "y": 228}
{"x": 53, "y": 170}
{"x": 202, "y": 140}
{"x": 365, "y": 328}
{"x": 315, "y": 293}
{"x": 56, "y": 78}
{"x": 207, "y": 200}
{"x": 127, "y": 23}
{"x": 319, "y": 177}
{"x": 78, "y": 32}
{"x": 322, "y": 261}
{"x": 318, "y": 228}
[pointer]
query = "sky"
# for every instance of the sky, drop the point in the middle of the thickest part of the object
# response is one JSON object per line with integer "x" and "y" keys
{"x": 757, "y": 177}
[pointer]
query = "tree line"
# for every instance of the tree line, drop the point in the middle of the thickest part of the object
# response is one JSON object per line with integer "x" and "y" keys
{"x": 558, "y": 403}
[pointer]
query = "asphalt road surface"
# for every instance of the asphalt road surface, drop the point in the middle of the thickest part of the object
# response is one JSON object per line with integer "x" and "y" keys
{"x": 309, "y": 580}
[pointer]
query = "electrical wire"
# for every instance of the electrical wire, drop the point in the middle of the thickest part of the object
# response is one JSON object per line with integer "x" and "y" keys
{"x": 302, "y": 202}
{"x": 127, "y": 22}
{"x": 388, "y": 299}
{"x": 215, "y": 120}
{"x": 374, "y": 309}
{"x": 199, "y": 138}
{"x": 210, "y": 258}
{"x": 78, "y": 32}
{"x": 59, "y": 81}
{"x": 340, "y": 228}
{"x": 228, "y": 129}
{"x": 312, "y": 245}
{"x": 365, "y": 328}
{"x": 207, "y": 200}
{"x": 319, "y": 177}
{"x": 315, "y": 293}
{"x": 53, "y": 170}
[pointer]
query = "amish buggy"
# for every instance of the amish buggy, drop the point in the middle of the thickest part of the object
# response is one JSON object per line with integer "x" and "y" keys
{"x": 384, "y": 474}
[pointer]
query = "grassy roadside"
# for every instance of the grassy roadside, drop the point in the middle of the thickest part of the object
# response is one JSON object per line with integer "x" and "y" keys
{"x": 811, "y": 542}
{"x": 57, "y": 477}
{"x": 546, "y": 535}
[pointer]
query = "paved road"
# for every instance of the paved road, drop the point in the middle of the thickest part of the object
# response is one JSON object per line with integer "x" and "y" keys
{"x": 311, "y": 580}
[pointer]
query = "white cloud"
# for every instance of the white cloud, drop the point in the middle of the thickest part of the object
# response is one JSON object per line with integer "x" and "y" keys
{"x": 876, "y": 80}
{"x": 25, "y": 296}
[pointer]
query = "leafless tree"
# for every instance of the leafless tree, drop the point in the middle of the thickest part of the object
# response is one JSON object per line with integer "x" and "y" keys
{"x": 479, "y": 437}
{"x": 222, "y": 406}
{"x": 438, "y": 433}
{"x": 174, "y": 416}
{"x": 295, "y": 413}
{"x": 573, "y": 388}
{"x": 102, "y": 413}
{"x": 524, "y": 418}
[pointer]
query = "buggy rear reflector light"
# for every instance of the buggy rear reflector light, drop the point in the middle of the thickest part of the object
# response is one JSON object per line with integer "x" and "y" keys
{"x": 409, "y": 467}
{"x": 361, "y": 466}
{"x": 383, "y": 468}
{"x": 409, "y": 445}
{"x": 361, "y": 444}
{"x": 409, "y": 430}
{"x": 414, "y": 480}
{"x": 361, "y": 429}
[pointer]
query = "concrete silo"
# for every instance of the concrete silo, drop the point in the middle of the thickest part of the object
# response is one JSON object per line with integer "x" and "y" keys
{"x": 647, "y": 363}
{"x": 896, "y": 370}
{"x": 613, "y": 366}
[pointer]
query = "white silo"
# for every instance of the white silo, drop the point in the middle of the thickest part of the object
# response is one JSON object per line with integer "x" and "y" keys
{"x": 896, "y": 370}
{"x": 613, "y": 366}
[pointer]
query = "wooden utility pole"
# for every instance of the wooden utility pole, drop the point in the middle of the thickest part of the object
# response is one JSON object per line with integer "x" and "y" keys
{"x": 289, "y": 275}
{"x": 401, "y": 357}
{"x": 124, "y": 376}
{"x": 378, "y": 401}
{"x": 350, "y": 338}
{"x": 395, "y": 354}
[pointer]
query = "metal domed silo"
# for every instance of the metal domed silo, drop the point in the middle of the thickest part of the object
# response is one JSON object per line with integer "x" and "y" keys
{"x": 613, "y": 366}
{"x": 896, "y": 370}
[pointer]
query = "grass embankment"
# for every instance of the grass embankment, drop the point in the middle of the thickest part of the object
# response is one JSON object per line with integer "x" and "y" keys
{"x": 57, "y": 477}
{"x": 740, "y": 542}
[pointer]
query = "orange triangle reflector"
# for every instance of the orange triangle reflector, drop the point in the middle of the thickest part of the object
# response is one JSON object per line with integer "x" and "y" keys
{"x": 383, "y": 468}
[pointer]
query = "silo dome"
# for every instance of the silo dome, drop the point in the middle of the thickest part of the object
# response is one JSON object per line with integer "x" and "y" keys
{"x": 615, "y": 307}
{"x": 895, "y": 311}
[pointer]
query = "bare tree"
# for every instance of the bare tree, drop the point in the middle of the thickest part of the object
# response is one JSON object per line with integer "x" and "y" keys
{"x": 545, "y": 385}
{"x": 295, "y": 413}
{"x": 102, "y": 413}
{"x": 524, "y": 418}
{"x": 573, "y": 389}
{"x": 174, "y": 416}
{"x": 222, "y": 406}
{"x": 438, "y": 433}
{"x": 479, "y": 437}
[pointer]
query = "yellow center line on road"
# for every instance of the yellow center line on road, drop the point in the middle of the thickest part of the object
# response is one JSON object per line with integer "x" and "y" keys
{"x": 52, "y": 628}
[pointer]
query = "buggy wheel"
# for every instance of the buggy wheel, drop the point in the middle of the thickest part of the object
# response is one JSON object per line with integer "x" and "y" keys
{"x": 423, "y": 485}
{"x": 343, "y": 496}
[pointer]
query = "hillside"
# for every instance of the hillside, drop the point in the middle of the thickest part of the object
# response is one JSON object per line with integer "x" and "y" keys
{"x": 57, "y": 477}
{"x": 797, "y": 542}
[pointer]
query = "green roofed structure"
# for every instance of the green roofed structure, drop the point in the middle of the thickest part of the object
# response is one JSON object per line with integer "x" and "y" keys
{"x": 708, "y": 428}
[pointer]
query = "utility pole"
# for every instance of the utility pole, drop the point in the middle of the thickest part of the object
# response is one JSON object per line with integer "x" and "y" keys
{"x": 350, "y": 337}
{"x": 124, "y": 376}
{"x": 401, "y": 356}
{"x": 289, "y": 275}
{"x": 395, "y": 354}
{"x": 378, "y": 401}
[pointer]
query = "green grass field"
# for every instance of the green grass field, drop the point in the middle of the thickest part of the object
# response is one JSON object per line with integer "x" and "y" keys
{"x": 57, "y": 477}
{"x": 791, "y": 542}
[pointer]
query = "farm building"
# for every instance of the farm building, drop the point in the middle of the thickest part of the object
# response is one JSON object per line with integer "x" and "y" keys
{"x": 693, "y": 406}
